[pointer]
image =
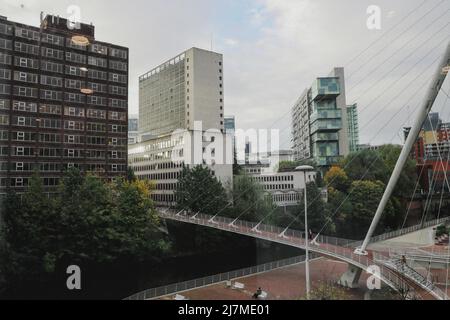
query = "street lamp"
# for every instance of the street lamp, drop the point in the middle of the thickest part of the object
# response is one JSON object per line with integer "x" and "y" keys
{"x": 305, "y": 169}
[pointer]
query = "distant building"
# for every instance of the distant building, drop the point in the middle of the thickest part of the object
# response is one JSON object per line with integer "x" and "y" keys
{"x": 133, "y": 129}
{"x": 353, "y": 127}
{"x": 319, "y": 121}
{"x": 229, "y": 124}
{"x": 285, "y": 188}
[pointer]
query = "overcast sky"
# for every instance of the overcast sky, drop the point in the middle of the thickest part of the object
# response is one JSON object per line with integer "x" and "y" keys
{"x": 273, "y": 50}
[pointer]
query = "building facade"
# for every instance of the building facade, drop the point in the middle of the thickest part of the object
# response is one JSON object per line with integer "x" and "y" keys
{"x": 179, "y": 101}
{"x": 353, "y": 127}
{"x": 186, "y": 89}
{"x": 319, "y": 121}
{"x": 133, "y": 129}
{"x": 63, "y": 102}
{"x": 285, "y": 188}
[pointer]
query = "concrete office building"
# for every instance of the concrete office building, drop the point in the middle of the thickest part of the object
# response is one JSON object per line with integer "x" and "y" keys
{"x": 319, "y": 121}
{"x": 63, "y": 103}
{"x": 353, "y": 127}
{"x": 182, "y": 97}
{"x": 133, "y": 129}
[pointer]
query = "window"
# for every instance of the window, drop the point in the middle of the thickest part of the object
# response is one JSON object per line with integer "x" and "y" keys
{"x": 25, "y": 77}
{"x": 19, "y": 166}
{"x": 26, "y": 62}
{"x": 4, "y": 119}
{"x": 4, "y": 104}
{"x": 24, "y": 106}
{"x": 51, "y": 81}
{"x": 51, "y": 95}
{"x": 26, "y": 48}
{"x": 75, "y": 57}
{"x": 50, "y": 109}
{"x": 117, "y": 65}
{"x": 52, "y": 67}
{"x": 118, "y": 53}
{"x": 53, "y": 39}
{"x": 52, "y": 53}
{"x": 5, "y": 88}
{"x": 6, "y": 29}
{"x": 75, "y": 71}
{"x": 5, "y": 74}
{"x": 5, "y": 58}
{"x": 98, "y": 48}
{"x": 98, "y": 62}
{"x": 5, "y": 44}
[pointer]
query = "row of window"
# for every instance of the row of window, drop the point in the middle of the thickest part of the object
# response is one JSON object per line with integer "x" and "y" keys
{"x": 59, "y": 41}
{"x": 159, "y": 176}
{"x": 58, "y": 68}
{"x": 68, "y": 96}
{"x": 25, "y": 151}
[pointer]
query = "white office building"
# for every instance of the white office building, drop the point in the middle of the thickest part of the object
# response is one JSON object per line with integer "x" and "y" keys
{"x": 181, "y": 121}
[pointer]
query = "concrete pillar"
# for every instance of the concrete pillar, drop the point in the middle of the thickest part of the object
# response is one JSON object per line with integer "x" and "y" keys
{"x": 351, "y": 277}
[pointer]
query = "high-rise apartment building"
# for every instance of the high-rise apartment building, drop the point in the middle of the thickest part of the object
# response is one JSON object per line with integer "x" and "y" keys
{"x": 319, "y": 121}
{"x": 63, "y": 102}
{"x": 353, "y": 127}
{"x": 179, "y": 101}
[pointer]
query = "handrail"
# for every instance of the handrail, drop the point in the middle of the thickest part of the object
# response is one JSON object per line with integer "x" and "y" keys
{"x": 161, "y": 291}
{"x": 330, "y": 246}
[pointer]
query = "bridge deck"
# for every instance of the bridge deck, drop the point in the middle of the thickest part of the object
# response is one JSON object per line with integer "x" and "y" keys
{"x": 336, "y": 248}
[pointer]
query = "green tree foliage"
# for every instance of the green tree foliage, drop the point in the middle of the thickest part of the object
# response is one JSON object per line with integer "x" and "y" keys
{"x": 285, "y": 166}
{"x": 357, "y": 213}
{"x": 317, "y": 212}
{"x": 88, "y": 220}
{"x": 250, "y": 201}
{"x": 199, "y": 190}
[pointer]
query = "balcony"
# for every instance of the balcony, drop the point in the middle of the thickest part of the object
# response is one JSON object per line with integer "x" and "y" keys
{"x": 326, "y": 125}
{"x": 325, "y": 114}
{"x": 325, "y": 88}
{"x": 324, "y": 137}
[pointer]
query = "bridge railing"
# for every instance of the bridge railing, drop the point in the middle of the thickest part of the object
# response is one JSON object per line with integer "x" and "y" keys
{"x": 330, "y": 246}
{"x": 166, "y": 290}
{"x": 400, "y": 232}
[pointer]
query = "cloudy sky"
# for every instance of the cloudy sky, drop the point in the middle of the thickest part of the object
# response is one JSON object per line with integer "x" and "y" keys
{"x": 273, "y": 49}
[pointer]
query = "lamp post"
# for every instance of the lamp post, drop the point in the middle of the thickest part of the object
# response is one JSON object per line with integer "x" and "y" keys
{"x": 305, "y": 169}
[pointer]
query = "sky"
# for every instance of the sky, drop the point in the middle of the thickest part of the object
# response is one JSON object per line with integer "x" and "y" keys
{"x": 274, "y": 49}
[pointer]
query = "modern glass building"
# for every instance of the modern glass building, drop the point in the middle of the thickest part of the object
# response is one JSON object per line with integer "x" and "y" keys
{"x": 319, "y": 121}
{"x": 353, "y": 127}
{"x": 229, "y": 124}
{"x": 63, "y": 103}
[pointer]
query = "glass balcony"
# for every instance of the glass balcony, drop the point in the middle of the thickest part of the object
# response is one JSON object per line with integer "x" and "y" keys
{"x": 324, "y": 136}
{"x": 325, "y": 88}
{"x": 326, "y": 114}
{"x": 326, "y": 125}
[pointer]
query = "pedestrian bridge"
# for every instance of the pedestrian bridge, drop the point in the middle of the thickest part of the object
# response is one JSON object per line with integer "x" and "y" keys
{"x": 337, "y": 248}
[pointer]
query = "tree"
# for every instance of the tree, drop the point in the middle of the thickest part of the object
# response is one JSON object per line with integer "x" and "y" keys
{"x": 88, "y": 220}
{"x": 364, "y": 198}
{"x": 337, "y": 178}
{"x": 317, "y": 212}
{"x": 286, "y": 166}
{"x": 328, "y": 291}
{"x": 250, "y": 201}
{"x": 198, "y": 190}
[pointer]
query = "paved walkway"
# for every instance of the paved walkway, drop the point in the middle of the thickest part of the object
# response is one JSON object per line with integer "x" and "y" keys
{"x": 286, "y": 283}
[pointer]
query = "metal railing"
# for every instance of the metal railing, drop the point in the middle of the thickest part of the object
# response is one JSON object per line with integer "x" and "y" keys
{"x": 396, "y": 264}
{"x": 325, "y": 245}
{"x": 400, "y": 232}
{"x": 214, "y": 279}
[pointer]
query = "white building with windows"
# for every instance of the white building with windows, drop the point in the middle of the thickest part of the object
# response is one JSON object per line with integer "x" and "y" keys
{"x": 181, "y": 122}
{"x": 285, "y": 188}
